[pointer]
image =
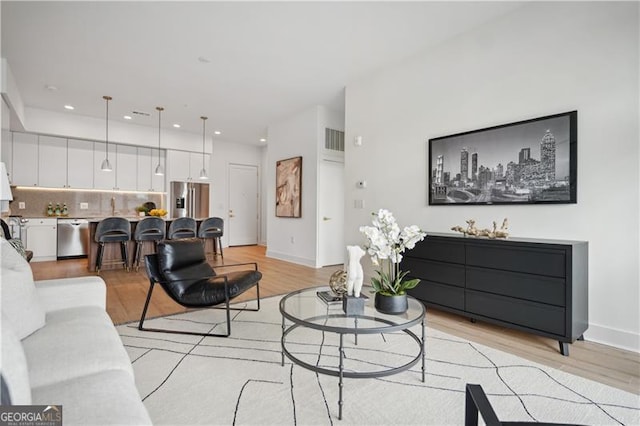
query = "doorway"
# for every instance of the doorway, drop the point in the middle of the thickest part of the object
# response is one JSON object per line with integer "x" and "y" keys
{"x": 243, "y": 205}
{"x": 331, "y": 248}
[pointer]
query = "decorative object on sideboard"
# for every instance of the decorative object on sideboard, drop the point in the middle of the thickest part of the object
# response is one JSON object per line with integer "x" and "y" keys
{"x": 526, "y": 162}
{"x": 338, "y": 283}
{"x": 486, "y": 232}
{"x": 386, "y": 243}
{"x": 159, "y": 169}
{"x": 106, "y": 165}
{"x": 203, "y": 172}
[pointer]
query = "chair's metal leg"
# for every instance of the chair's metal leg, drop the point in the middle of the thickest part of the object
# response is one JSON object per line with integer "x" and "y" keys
{"x": 137, "y": 254}
{"x": 125, "y": 258}
{"x": 146, "y": 305}
{"x": 99, "y": 257}
{"x": 220, "y": 245}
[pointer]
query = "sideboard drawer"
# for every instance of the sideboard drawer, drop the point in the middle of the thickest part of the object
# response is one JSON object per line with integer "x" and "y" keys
{"x": 445, "y": 273}
{"x": 439, "y": 294}
{"x": 536, "y": 288}
{"x": 438, "y": 249}
{"x": 527, "y": 260}
{"x": 546, "y": 318}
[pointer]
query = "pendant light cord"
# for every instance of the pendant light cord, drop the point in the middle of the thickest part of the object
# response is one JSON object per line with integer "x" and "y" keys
{"x": 107, "y": 98}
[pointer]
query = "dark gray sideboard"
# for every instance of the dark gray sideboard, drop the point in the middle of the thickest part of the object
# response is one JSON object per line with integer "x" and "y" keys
{"x": 533, "y": 285}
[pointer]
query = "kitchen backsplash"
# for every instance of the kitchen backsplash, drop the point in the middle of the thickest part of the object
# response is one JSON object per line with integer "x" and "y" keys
{"x": 98, "y": 203}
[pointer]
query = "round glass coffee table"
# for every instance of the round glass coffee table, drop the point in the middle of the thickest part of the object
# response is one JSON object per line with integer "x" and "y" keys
{"x": 306, "y": 310}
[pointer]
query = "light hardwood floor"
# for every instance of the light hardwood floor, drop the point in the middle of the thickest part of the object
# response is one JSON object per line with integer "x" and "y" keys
{"x": 126, "y": 293}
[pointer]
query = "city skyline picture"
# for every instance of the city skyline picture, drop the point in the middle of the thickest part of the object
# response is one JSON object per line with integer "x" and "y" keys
{"x": 532, "y": 161}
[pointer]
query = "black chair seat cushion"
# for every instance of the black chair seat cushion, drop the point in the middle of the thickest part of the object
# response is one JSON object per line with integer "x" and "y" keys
{"x": 210, "y": 291}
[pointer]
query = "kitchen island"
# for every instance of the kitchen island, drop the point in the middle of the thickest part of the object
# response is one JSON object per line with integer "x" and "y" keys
{"x": 112, "y": 251}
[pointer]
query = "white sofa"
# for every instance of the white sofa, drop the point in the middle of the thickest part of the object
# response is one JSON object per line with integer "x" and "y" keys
{"x": 59, "y": 347}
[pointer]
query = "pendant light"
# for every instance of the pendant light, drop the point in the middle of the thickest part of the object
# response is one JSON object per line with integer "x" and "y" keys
{"x": 203, "y": 172}
{"x": 159, "y": 169}
{"x": 106, "y": 165}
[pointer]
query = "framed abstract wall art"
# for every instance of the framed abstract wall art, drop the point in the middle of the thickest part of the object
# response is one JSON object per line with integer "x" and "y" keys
{"x": 526, "y": 162}
{"x": 289, "y": 187}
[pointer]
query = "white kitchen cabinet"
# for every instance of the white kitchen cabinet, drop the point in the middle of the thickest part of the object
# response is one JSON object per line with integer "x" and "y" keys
{"x": 126, "y": 168}
{"x": 41, "y": 237}
{"x": 186, "y": 166}
{"x": 7, "y": 152}
{"x": 144, "y": 169}
{"x": 80, "y": 164}
{"x": 101, "y": 179}
{"x": 147, "y": 162}
{"x": 25, "y": 159}
{"x": 52, "y": 162}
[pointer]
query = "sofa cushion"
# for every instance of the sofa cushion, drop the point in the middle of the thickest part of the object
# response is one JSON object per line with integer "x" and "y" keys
{"x": 13, "y": 366}
{"x": 105, "y": 398}
{"x": 74, "y": 343}
{"x": 20, "y": 302}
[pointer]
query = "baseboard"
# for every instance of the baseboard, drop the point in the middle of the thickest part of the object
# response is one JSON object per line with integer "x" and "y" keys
{"x": 613, "y": 337}
{"x": 293, "y": 259}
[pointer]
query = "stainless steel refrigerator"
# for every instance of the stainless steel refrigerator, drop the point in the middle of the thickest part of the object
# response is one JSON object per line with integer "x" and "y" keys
{"x": 189, "y": 199}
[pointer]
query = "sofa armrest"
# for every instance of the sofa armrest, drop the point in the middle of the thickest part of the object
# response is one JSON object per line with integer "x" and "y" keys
{"x": 72, "y": 292}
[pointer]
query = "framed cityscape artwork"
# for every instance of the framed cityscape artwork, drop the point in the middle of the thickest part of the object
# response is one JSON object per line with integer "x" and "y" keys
{"x": 527, "y": 162}
{"x": 289, "y": 187}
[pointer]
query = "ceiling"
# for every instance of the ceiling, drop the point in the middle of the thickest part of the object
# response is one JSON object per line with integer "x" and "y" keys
{"x": 245, "y": 65}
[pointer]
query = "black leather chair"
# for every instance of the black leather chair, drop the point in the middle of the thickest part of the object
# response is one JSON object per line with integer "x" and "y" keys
{"x": 181, "y": 268}
{"x": 476, "y": 402}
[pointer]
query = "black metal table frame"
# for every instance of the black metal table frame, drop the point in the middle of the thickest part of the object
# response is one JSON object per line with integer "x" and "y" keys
{"x": 390, "y": 327}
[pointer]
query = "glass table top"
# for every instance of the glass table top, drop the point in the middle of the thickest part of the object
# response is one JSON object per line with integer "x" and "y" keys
{"x": 306, "y": 308}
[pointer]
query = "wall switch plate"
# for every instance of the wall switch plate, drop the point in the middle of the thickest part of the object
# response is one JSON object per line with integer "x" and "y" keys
{"x": 22, "y": 205}
{"x": 358, "y": 204}
{"x": 84, "y": 206}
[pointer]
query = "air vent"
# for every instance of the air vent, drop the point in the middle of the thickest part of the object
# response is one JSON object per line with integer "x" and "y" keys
{"x": 333, "y": 139}
{"x": 144, "y": 114}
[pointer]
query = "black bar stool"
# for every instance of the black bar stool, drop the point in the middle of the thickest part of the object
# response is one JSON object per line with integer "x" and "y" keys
{"x": 212, "y": 228}
{"x": 113, "y": 230}
{"x": 182, "y": 227}
{"x": 148, "y": 229}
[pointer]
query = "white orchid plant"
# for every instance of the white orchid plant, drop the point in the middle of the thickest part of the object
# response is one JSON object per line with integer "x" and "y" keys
{"x": 386, "y": 243}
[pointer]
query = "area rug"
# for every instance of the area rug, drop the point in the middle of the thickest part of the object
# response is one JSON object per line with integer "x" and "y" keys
{"x": 239, "y": 380}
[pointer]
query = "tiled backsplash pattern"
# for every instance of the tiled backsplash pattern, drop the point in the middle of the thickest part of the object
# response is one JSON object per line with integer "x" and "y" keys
{"x": 99, "y": 202}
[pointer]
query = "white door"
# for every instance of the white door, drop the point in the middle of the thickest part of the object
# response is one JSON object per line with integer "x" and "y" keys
{"x": 332, "y": 250}
{"x": 242, "y": 226}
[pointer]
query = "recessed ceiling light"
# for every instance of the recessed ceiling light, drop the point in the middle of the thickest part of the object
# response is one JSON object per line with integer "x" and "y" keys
{"x": 217, "y": 132}
{"x": 127, "y": 117}
{"x": 263, "y": 140}
{"x": 69, "y": 107}
{"x": 177, "y": 126}
{"x": 203, "y": 60}
{"x": 51, "y": 87}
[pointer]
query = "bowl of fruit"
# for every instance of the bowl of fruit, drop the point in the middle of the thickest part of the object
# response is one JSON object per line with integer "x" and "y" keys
{"x": 158, "y": 212}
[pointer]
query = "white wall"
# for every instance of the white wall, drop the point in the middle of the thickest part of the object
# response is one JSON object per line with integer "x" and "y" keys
{"x": 543, "y": 58}
{"x": 224, "y": 154}
{"x": 292, "y": 137}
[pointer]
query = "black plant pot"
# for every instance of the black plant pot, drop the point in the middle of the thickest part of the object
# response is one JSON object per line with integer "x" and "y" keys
{"x": 391, "y": 304}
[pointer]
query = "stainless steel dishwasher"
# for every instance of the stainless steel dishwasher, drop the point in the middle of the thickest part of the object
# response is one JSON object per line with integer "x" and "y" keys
{"x": 73, "y": 238}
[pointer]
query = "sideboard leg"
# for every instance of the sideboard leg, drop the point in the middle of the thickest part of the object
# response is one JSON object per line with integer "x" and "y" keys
{"x": 473, "y": 320}
{"x": 564, "y": 348}
{"x": 581, "y": 338}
